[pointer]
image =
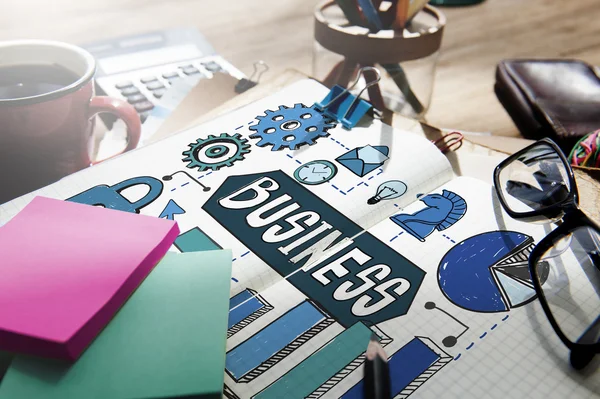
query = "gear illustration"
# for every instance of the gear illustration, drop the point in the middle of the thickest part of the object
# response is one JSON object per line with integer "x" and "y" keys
{"x": 290, "y": 127}
{"x": 215, "y": 152}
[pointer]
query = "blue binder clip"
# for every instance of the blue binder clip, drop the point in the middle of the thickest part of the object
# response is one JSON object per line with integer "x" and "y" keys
{"x": 344, "y": 106}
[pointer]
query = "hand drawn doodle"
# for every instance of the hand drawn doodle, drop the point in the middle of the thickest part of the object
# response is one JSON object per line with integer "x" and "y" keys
{"x": 412, "y": 366}
{"x": 290, "y": 127}
{"x": 389, "y": 190}
{"x": 228, "y": 393}
{"x": 349, "y": 368}
{"x": 170, "y": 177}
{"x": 442, "y": 212}
{"x": 112, "y": 196}
{"x": 244, "y": 308}
{"x": 171, "y": 210}
{"x": 290, "y": 228}
{"x": 310, "y": 374}
{"x": 489, "y": 272}
{"x": 275, "y": 342}
{"x": 216, "y": 152}
{"x": 450, "y": 340}
{"x": 364, "y": 160}
{"x": 195, "y": 240}
{"x": 315, "y": 172}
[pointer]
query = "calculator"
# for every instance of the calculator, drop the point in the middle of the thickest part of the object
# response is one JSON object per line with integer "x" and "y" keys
{"x": 140, "y": 68}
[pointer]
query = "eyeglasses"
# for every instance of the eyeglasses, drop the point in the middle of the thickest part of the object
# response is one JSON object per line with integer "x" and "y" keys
{"x": 537, "y": 183}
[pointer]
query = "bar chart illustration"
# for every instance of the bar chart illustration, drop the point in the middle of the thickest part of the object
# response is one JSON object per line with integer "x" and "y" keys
{"x": 195, "y": 240}
{"x": 309, "y": 375}
{"x": 413, "y": 365}
{"x": 275, "y": 342}
{"x": 244, "y": 308}
{"x": 350, "y": 367}
{"x": 228, "y": 393}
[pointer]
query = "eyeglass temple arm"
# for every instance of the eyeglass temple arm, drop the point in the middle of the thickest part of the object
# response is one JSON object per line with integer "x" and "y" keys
{"x": 582, "y": 357}
{"x": 592, "y": 334}
{"x": 595, "y": 256}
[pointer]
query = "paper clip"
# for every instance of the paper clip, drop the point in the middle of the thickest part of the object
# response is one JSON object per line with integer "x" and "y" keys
{"x": 246, "y": 84}
{"x": 450, "y": 142}
{"x": 345, "y": 107}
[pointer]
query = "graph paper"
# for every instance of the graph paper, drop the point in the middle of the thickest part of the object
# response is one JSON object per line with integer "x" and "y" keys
{"x": 356, "y": 232}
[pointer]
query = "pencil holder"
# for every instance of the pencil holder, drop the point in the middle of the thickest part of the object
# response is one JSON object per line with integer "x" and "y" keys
{"x": 406, "y": 59}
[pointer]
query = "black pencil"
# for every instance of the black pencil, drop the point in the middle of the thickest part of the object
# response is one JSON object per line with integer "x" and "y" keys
{"x": 377, "y": 373}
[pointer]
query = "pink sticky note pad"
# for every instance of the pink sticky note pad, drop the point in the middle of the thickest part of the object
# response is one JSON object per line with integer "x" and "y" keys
{"x": 67, "y": 268}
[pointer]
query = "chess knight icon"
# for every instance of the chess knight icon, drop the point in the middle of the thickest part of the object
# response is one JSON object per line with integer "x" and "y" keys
{"x": 442, "y": 212}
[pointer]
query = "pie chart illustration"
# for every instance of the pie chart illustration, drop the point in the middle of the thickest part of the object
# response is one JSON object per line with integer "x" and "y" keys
{"x": 489, "y": 272}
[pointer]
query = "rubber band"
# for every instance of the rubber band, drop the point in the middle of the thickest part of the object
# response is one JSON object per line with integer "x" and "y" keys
{"x": 587, "y": 151}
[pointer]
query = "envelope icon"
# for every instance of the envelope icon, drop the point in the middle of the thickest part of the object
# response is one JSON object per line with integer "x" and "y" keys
{"x": 363, "y": 160}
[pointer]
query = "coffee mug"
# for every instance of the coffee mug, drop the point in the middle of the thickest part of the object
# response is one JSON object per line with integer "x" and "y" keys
{"x": 47, "y": 114}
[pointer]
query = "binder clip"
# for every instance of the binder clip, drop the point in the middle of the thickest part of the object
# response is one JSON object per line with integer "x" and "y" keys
{"x": 246, "y": 84}
{"x": 344, "y": 106}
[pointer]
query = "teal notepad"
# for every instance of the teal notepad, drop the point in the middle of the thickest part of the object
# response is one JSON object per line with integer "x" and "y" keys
{"x": 167, "y": 341}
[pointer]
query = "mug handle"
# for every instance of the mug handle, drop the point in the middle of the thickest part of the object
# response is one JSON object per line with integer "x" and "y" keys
{"x": 122, "y": 110}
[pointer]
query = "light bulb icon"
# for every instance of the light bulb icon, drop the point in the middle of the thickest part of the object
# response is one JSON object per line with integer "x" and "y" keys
{"x": 387, "y": 191}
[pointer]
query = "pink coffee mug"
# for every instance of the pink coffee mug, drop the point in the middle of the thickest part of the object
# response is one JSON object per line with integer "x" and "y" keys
{"x": 49, "y": 135}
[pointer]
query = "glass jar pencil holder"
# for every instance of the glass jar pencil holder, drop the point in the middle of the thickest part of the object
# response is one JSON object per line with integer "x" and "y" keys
{"x": 406, "y": 59}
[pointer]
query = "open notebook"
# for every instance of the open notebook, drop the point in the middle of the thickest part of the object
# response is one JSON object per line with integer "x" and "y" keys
{"x": 365, "y": 231}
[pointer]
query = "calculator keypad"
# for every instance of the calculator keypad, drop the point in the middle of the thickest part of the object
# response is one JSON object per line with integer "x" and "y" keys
{"x": 123, "y": 85}
{"x": 144, "y": 116}
{"x": 130, "y": 91}
{"x": 155, "y": 85}
{"x": 212, "y": 66}
{"x": 190, "y": 70}
{"x": 143, "y": 106}
{"x": 142, "y": 91}
{"x": 159, "y": 93}
{"x": 170, "y": 75}
{"x": 136, "y": 98}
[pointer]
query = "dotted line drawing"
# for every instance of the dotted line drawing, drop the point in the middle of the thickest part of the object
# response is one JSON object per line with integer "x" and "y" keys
{"x": 337, "y": 142}
{"x": 241, "y": 256}
{"x": 396, "y": 236}
{"x": 234, "y": 259}
{"x": 482, "y": 336}
{"x": 186, "y": 183}
{"x": 451, "y": 240}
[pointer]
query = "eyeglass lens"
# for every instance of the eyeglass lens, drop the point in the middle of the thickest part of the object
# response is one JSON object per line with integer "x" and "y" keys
{"x": 569, "y": 273}
{"x": 535, "y": 180}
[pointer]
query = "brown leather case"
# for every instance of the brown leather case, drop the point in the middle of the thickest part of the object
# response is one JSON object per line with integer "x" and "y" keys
{"x": 559, "y": 99}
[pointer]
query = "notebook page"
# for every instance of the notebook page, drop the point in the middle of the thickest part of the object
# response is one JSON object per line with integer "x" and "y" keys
{"x": 175, "y": 178}
{"x": 474, "y": 328}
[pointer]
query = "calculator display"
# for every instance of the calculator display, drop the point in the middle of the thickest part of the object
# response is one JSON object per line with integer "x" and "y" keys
{"x": 148, "y": 58}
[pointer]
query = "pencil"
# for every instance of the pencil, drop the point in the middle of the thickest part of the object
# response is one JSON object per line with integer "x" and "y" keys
{"x": 377, "y": 374}
{"x": 401, "y": 14}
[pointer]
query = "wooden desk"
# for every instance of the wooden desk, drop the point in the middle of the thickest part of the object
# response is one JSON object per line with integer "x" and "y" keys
{"x": 280, "y": 32}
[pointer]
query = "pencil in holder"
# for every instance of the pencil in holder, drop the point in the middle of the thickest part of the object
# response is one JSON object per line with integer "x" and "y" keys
{"x": 406, "y": 59}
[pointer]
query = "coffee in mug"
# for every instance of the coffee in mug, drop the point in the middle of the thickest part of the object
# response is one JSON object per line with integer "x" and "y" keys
{"x": 47, "y": 114}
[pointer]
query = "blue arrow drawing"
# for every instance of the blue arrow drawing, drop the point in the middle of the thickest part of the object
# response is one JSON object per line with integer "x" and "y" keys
{"x": 171, "y": 210}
